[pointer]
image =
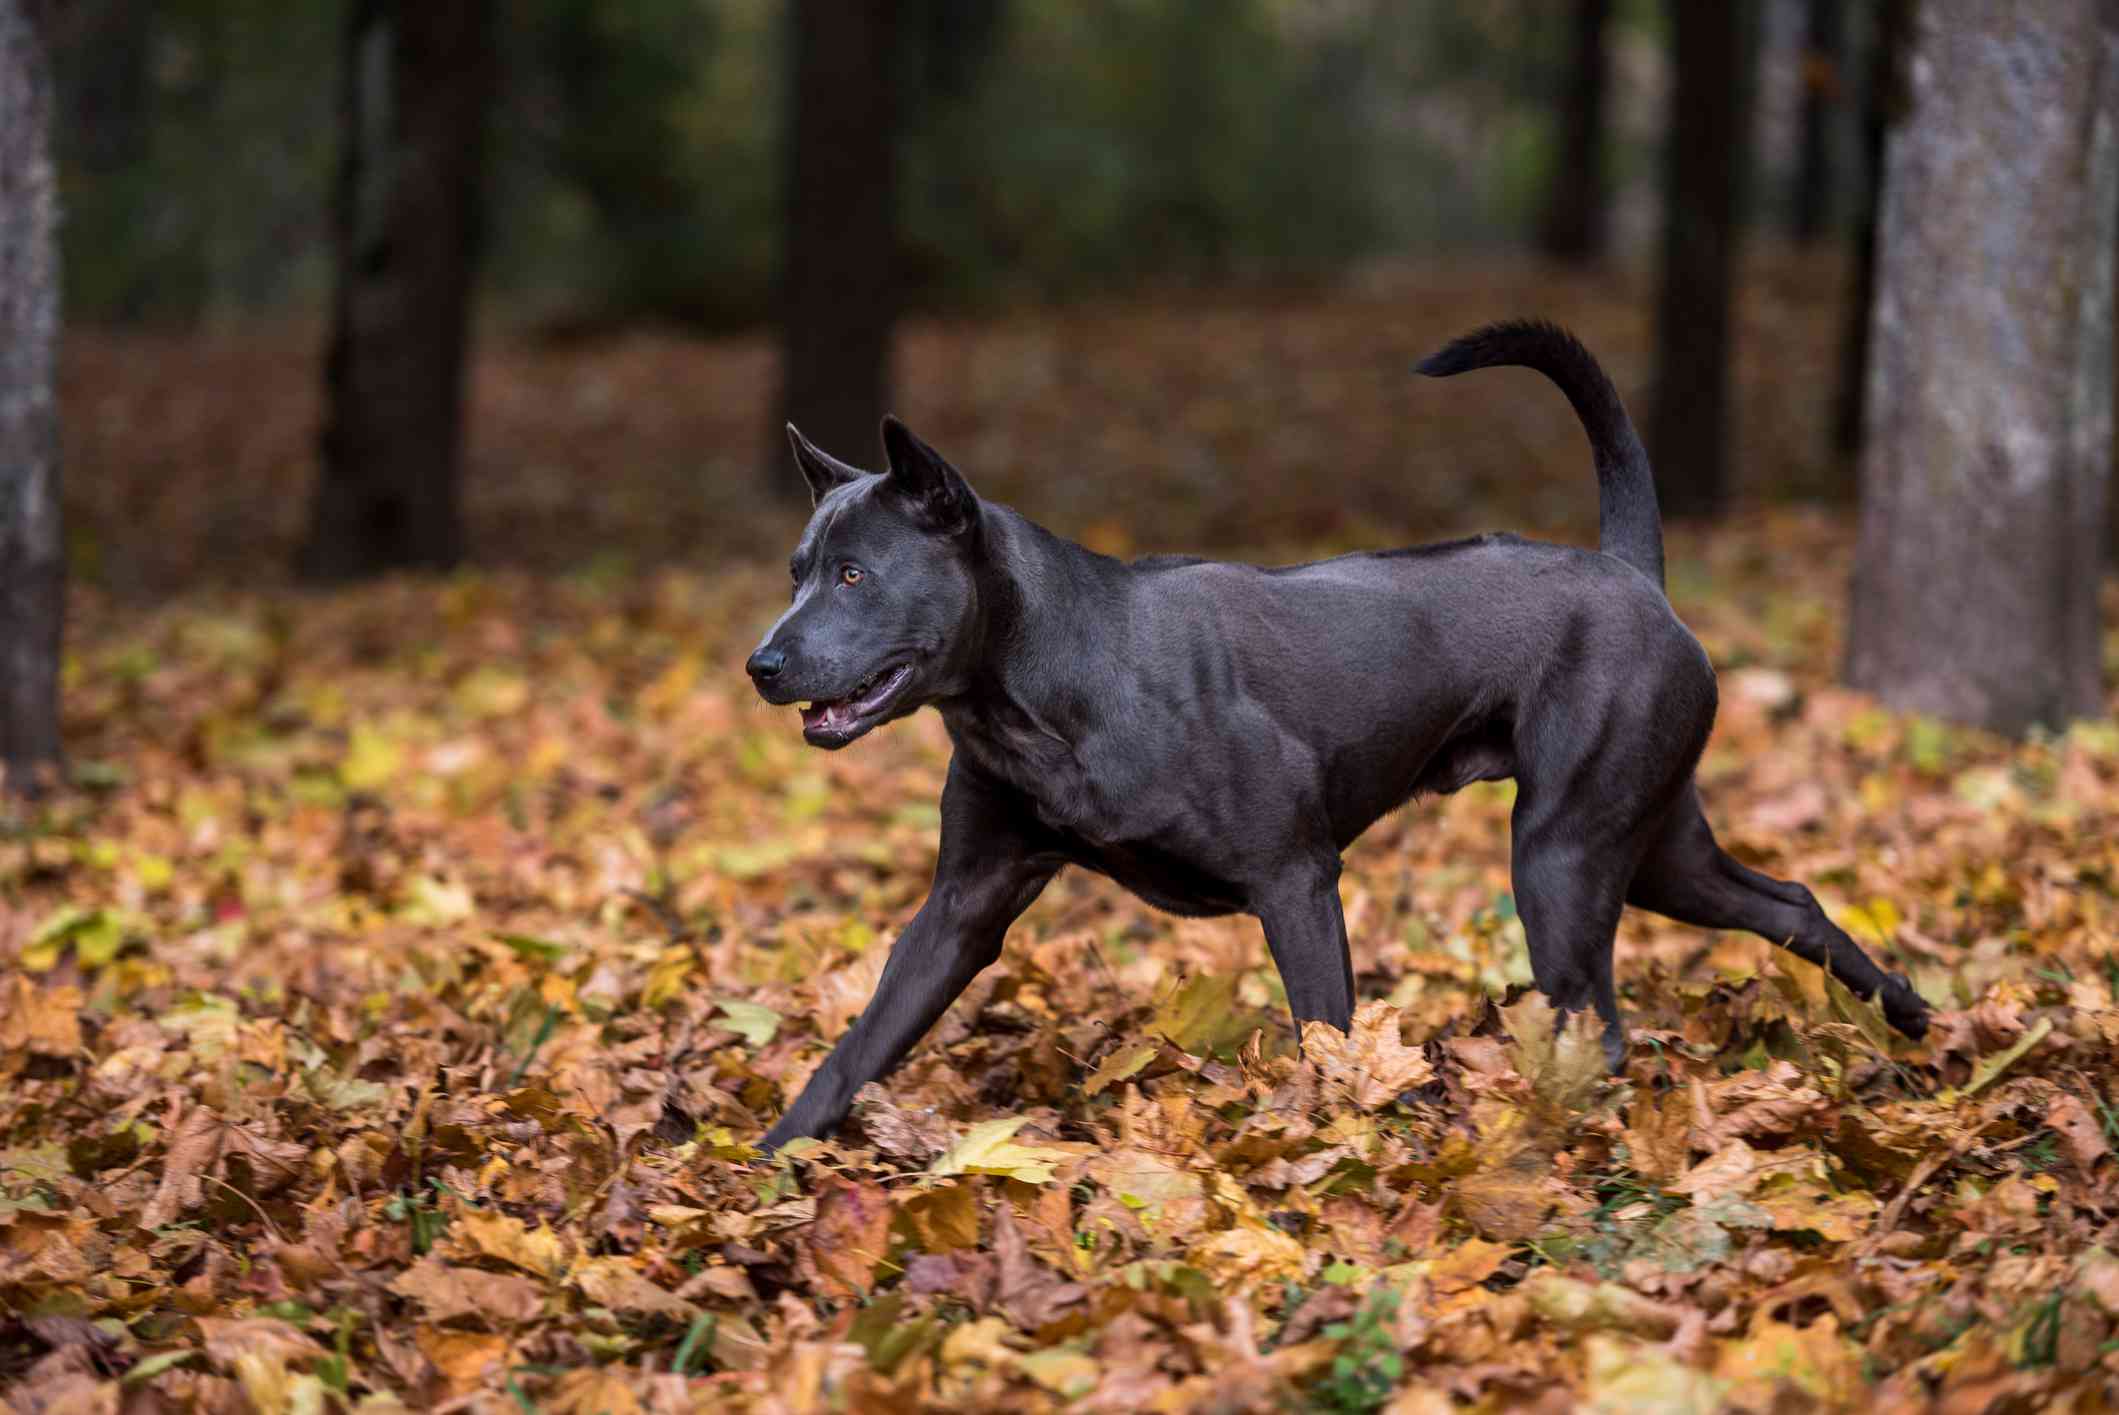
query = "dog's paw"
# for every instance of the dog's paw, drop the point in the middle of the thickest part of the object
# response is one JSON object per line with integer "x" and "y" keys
{"x": 1906, "y": 1010}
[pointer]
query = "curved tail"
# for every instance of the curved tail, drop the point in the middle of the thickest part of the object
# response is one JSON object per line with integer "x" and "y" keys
{"x": 1628, "y": 525}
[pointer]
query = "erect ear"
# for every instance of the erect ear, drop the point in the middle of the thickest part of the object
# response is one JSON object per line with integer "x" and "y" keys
{"x": 938, "y": 492}
{"x": 820, "y": 469}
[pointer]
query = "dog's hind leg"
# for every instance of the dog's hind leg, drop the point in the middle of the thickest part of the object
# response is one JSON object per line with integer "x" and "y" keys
{"x": 1306, "y": 934}
{"x": 1688, "y": 877}
{"x": 1569, "y": 872}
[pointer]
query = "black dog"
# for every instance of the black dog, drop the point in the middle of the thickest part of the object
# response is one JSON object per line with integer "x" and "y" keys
{"x": 1212, "y": 735}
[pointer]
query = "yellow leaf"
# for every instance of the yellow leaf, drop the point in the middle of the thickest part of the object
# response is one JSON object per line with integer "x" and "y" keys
{"x": 987, "y": 1149}
{"x": 435, "y": 901}
{"x": 592, "y": 1390}
{"x": 1250, "y": 1252}
{"x": 983, "y": 1342}
{"x": 1067, "y": 1374}
{"x": 1639, "y": 1379}
{"x": 1579, "y": 1306}
{"x": 371, "y": 760}
{"x": 1813, "y": 1362}
{"x": 497, "y": 1235}
{"x": 1809, "y": 1204}
{"x": 1872, "y": 925}
{"x": 1991, "y": 1067}
{"x": 667, "y": 978}
{"x": 1120, "y": 1065}
{"x": 491, "y": 692}
{"x": 752, "y": 1021}
{"x": 1202, "y": 1015}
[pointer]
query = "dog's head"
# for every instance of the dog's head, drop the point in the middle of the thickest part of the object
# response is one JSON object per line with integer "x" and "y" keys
{"x": 884, "y": 592}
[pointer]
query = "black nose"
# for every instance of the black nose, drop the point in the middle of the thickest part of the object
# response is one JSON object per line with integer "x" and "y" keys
{"x": 765, "y": 664}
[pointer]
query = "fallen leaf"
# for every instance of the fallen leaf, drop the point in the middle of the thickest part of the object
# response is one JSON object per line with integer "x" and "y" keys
{"x": 1369, "y": 1065}
{"x": 987, "y": 1149}
{"x": 449, "y": 1293}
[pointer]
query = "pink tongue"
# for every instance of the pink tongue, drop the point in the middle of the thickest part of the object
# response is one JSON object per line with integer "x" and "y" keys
{"x": 821, "y": 714}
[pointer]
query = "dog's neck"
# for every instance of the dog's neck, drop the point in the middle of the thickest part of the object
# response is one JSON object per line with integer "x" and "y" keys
{"x": 1044, "y": 605}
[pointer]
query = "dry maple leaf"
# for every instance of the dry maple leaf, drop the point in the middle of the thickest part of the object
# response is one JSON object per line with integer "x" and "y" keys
{"x": 1369, "y": 1064}
{"x": 484, "y": 1233}
{"x": 448, "y": 1293}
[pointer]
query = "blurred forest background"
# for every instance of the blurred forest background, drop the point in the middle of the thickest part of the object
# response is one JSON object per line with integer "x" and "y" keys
{"x": 364, "y": 286}
{"x": 1154, "y": 271}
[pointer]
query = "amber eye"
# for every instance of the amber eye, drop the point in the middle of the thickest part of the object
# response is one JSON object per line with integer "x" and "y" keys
{"x": 850, "y": 574}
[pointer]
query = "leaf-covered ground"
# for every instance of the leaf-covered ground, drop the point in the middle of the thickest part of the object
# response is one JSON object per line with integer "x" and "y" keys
{"x": 386, "y": 1018}
{"x": 385, "y": 1012}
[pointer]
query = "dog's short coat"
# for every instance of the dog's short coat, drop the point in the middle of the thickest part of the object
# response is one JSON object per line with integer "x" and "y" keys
{"x": 1213, "y": 735}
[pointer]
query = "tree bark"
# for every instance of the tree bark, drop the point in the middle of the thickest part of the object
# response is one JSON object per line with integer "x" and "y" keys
{"x": 1823, "y": 46}
{"x": 1706, "y": 161}
{"x": 1989, "y": 437}
{"x": 417, "y": 86}
{"x": 32, "y": 553}
{"x": 840, "y": 289}
{"x": 1576, "y": 222}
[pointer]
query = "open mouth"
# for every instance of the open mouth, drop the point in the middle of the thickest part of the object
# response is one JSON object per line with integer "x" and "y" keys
{"x": 837, "y": 722}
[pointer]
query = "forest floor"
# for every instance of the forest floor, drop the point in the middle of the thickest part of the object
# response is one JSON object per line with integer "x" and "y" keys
{"x": 386, "y": 1011}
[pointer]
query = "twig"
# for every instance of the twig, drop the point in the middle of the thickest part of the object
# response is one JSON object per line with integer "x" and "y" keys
{"x": 1922, "y": 1173}
{"x": 255, "y": 1207}
{"x": 672, "y": 922}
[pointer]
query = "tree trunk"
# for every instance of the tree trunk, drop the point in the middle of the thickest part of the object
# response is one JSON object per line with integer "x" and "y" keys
{"x": 32, "y": 559}
{"x": 1989, "y": 440}
{"x": 1822, "y": 48}
{"x": 1576, "y": 224}
{"x": 839, "y": 291}
{"x": 1883, "y": 97}
{"x": 417, "y": 85}
{"x": 1706, "y": 160}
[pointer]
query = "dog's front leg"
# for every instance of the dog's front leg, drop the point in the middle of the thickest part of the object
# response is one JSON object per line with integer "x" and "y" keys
{"x": 987, "y": 874}
{"x": 1306, "y": 934}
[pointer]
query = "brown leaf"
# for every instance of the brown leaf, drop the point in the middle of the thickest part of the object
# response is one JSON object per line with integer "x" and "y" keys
{"x": 193, "y": 1150}
{"x": 916, "y": 1135}
{"x": 1564, "y": 1063}
{"x": 497, "y": 1299}
{"x": 944, "y": 1217}
{"x": 1369, "y": 1065}
{"x": 617, "y": 1284}
{"x": 1028, "y": 1293}
{"x": 230, "y": 1338}
{"x": 45, "y": 1021}
{"x": 2084, "y": 1137}
{"x": 467, "y": 1361}
{"x": 850, "y": 1236}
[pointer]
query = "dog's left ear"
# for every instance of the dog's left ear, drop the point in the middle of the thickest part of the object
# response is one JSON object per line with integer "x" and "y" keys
{"x": 937, "y": 491}
{"x": 820, "y": 469}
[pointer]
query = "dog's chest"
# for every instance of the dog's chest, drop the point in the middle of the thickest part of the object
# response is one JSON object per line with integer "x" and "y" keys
{"x": 1053, "y": 778}
{"x": 1117, "y": 830}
